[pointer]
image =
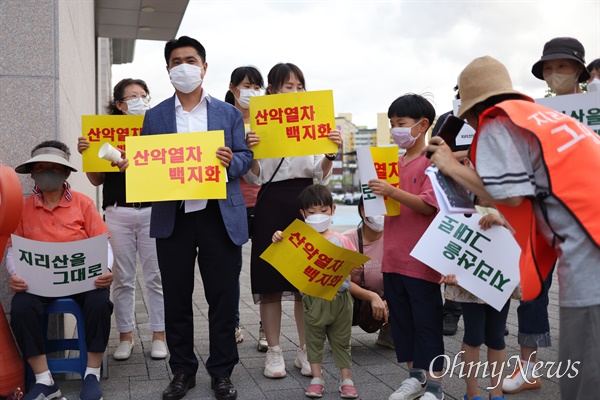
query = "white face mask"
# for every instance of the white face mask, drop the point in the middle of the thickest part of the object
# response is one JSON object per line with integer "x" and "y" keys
{"x": 403, "y": 138}
{"x": 186, "y": 77}
{"x": 594, "y": 85}
{"x": 319, "y": 222}
{"x": 375, "y": 223}
{"x": 562, "y": 83}
{"x": 245, "y": 94}
{"x": 137, "y": 106}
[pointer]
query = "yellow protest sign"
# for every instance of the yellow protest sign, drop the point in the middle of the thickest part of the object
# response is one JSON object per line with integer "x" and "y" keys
{"x": 181, "y": 166}
{"x": 293, "y": 124}
{"x": 99, "y": 129}
{"x": 387, "y": 168}
{"x": 310, "y": 262}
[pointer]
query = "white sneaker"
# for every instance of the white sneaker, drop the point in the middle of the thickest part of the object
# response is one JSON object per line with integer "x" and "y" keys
{"x": 263, "y": 345}
{"x": 123, "y": 352}
{"x": 159, "y": 350}
{"x": 239, "y": 336}
{"x": 517, "y": 382}
{"x": 301, "y": 361}
{"x": 274, "y": 364}
{"x": 430, "y": 396}
{"x": 410, "y": 389}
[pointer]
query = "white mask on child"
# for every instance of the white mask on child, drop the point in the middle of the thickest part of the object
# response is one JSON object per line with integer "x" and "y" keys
{"x": 319, "y": 222}
{"x": 375, "y": 223}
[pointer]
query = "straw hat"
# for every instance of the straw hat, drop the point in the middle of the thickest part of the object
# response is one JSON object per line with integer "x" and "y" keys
{"x": 562, "y": 48}
{"x": 46, "y": 154}
{"x": 483, "y": 78}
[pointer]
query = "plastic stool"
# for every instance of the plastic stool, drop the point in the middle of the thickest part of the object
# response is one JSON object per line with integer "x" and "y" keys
{"x": 75, "y": 365}
{"x": 66, "y": 365}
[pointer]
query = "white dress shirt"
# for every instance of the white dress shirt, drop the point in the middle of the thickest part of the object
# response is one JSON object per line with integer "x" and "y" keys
{"x": 292, "y": 168}
{"x": 193, "y": 121}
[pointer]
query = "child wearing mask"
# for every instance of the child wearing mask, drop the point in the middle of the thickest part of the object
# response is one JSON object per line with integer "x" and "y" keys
{"x": 483, "y": 323}
{"x": 368, "y": 286}
{"x": 412, "y": 289}
{"x": 322, "y": 318}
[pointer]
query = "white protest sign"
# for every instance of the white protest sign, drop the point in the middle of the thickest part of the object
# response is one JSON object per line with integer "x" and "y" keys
{"x": 486, "y": 263}
{"x": 584, "y": 107}
{"x": 374, "y": 204}
{"x": 57, "y": 269}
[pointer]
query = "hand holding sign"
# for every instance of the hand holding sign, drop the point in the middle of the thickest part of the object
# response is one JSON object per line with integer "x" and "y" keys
{"x": 310, "y": 262}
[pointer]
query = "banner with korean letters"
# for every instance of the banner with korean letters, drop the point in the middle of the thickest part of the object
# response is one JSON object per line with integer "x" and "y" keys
{"x": 486, "y": 263}
{"x": 56, "y": 269}
{"x": 181, "y": 166}
{"x": 310, "y": 262}
{"x": 99, "y": 129}
{"x": 385, "y": 160}
{"x": 374, "y": 203}
{"x": 584, "y": 107}
{"x": 293, "y": 124}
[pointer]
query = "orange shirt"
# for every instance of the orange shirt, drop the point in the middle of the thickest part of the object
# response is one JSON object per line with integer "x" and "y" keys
{"x": 69, "y": 221}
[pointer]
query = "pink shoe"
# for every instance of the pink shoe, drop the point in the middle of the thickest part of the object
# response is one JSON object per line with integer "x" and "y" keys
{"x": 316, "y": 388}
{"x": 347, "y": 389}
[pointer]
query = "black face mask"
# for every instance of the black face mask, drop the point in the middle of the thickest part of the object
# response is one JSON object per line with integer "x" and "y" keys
{"x": 49, "y": 181}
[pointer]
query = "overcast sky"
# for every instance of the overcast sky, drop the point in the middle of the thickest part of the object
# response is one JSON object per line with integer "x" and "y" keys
{"x": 371, "y": 52}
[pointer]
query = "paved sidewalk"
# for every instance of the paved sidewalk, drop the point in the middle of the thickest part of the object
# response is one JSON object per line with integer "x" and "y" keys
{"x": 375, "y": 371}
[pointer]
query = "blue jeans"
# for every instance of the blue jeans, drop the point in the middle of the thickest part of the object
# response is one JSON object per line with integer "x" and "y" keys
{"x": 534, "y": 327}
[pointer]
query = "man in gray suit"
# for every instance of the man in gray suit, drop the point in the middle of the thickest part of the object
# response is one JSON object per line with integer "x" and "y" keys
{"x": 211, "y": 230}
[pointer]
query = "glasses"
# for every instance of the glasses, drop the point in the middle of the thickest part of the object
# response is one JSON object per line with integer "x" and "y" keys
{"x": 145, "y": 98}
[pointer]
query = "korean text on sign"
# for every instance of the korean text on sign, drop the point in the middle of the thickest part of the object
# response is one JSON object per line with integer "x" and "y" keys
{"x": 486, "y": 263}
{"x": 310, "y": 262}
{"x": 60, "y": 268}
{"x": 181, "y": 166}
{"x": 385, "y": 160}
{"x": 293, "y": 124}
{"x": 99, "y": 129}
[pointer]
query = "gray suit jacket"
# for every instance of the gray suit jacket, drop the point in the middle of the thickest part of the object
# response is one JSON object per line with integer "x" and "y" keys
{"x": 221, "y": 116}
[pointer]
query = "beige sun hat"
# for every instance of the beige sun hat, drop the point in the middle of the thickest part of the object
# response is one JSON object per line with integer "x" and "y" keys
{"x": 46, "y": 154}
{"x": 483, "y": 78}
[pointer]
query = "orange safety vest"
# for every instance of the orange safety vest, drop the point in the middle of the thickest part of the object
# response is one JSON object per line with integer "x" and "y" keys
{"x": 571, "y": 158}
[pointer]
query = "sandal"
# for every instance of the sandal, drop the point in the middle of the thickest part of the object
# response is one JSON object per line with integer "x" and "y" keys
{"x": 347, "y": 389}
{"x": 316, "y": 388}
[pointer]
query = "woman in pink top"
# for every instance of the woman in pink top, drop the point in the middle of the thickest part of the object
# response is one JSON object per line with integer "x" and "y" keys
{"x": 370, "y": 287}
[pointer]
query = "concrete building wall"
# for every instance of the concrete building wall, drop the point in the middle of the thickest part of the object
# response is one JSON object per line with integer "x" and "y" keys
{"x": 47, "y": 82}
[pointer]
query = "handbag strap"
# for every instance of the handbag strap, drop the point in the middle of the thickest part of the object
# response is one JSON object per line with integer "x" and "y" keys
{"x": 262, "y": 192}
{"x": 360, "y": 250}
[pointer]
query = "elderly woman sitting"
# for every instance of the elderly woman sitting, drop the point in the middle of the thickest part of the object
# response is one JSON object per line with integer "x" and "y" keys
{"x": 55, "y": 213}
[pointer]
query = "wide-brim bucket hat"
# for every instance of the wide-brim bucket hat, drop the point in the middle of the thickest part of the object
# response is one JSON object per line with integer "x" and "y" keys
{"x": 46, "y": 154}
{"x": 483, "y": 78}
{"x": 559, "y": 49}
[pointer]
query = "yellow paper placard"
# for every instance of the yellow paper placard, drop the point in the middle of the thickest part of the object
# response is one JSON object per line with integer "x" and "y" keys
{"x": 310, "y": 262}
{"x": 181, "y": 166}
{"x": 387, "y": 168}
{"x": 293, "y": 124}
{"x": 98, "y": 129}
